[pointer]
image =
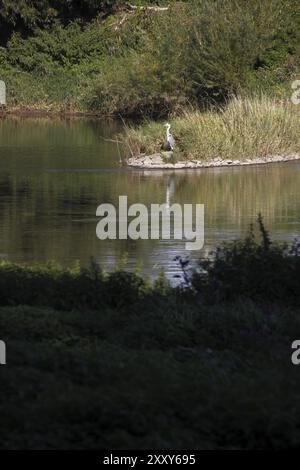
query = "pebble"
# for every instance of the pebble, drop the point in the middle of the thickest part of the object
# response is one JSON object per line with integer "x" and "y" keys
{"x": 156, "y": 161}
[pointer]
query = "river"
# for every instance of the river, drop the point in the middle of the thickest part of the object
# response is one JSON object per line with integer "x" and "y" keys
{"x": 55, "y": 172}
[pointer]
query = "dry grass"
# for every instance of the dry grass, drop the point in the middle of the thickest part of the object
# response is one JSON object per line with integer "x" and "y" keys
{"x": 246, "y": 128}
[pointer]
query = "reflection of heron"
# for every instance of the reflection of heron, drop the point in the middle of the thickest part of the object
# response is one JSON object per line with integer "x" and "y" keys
{"x": 170, "y": 191}
{"x": 170, "y": 138}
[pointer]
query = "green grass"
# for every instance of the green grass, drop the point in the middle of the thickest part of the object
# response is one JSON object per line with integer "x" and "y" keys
{"x": 99, "y": 361}
{"x": 246, "y": 128}
{"x": 168, "y": 377}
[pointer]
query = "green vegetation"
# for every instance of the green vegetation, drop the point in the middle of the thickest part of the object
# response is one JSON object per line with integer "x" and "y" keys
{"x": 106, "y": 58}
{"x": 111, "y": 361}
{"x": 244, "y": 129}
{"x": 261, "y": 271}
{"x": 99, "y": 361}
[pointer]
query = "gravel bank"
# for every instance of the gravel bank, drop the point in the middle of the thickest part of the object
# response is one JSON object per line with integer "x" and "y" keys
{"x": 157, "y": 161}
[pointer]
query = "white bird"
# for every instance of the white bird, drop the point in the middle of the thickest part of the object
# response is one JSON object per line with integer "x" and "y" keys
{"x": 170, "y": 138}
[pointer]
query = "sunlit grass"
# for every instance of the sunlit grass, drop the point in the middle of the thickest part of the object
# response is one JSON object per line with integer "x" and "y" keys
{"x": 246, "y": 128}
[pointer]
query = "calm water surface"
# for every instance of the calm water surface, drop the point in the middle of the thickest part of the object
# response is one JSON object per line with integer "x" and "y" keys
{"x": 54, "y": 174}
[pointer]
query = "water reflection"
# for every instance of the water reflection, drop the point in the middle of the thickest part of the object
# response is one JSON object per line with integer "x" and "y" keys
{"x": 54, "y": 174}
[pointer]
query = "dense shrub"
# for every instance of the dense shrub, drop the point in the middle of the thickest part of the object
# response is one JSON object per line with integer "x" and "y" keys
{"x": 122, "y": 365}
{"x": 201, "y": 53}
{"x": 149, "y": 63}
{"x": 105, "y": 361}
{"x": 251, "y": 268}
{"x": 25, "y": 15}
{"x": 67, "y": 289}
{"x": 233, "y": 40}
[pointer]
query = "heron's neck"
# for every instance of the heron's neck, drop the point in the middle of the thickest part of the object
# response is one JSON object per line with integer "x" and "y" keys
{"x": 168, "y": 132}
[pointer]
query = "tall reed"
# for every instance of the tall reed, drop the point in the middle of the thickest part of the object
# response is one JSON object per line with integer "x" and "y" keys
{"x": 245, "y": 129}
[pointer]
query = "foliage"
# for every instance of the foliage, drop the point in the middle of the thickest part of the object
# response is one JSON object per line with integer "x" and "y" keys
{"x": 67, "y": 289}
{"x": 193, "y": 54}
{"x": 147, "y": 63}
{"x": 259, "y": 270}
{"x": 164, "y": 368}
{"x": 233, "y": 40}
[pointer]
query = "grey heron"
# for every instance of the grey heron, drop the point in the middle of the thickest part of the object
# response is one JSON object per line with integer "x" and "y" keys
{"x": 170, "y": 138}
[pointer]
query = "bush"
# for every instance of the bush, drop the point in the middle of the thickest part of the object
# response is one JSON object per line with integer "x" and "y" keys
{"x": 150, "y": 63}
{"x": 121, "y": 365}
{"x": 26, "y": 15}
{"x": 232, "y": 40}
{"x": 54, "y": 286}
{"x": 259, "y": 270}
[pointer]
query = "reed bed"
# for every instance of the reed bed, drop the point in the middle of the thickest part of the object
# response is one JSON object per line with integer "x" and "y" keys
{"x": 246, "y": 128}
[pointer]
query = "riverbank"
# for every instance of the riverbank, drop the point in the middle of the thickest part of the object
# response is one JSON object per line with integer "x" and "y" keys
{"x": 50, "y": 112}
{"x": 246, "y": 131}
{"x": 158, "y": 162}
{"x": 152, "y": 366}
